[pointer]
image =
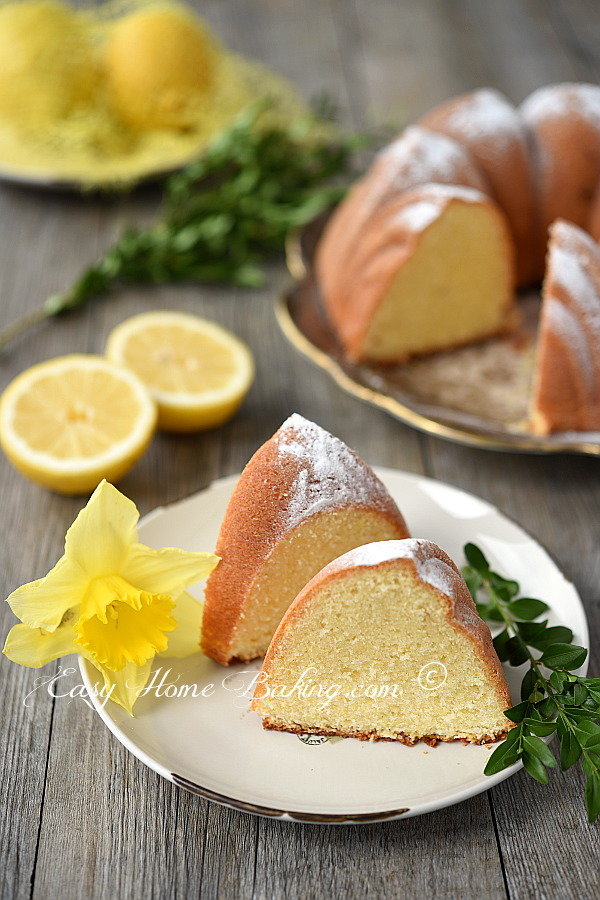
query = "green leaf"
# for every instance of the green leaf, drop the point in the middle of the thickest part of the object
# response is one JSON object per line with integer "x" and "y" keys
{"x": 527, "y": 608}
{"x": 529, "y": 631}
{"x": 517, "y": 713}
{"x": 543, "y": 729}
{"x": 509, "y": 588}
{"x": 592, "y": 796}
{"x": 536, "y": 747}
{"x": 500, "y": 642}
{"x": 528, "y": 684}
{"x": 505, "y": 755}
{"x": 473, "y": 580}
{"x": 570, "y": 750}
{"x": 475, "y": 558}
{"x": 535, "y": 768}
{"x": 517, "y": 653}
{"x": 564, "y": 656}
{"x": 557, "y": 634}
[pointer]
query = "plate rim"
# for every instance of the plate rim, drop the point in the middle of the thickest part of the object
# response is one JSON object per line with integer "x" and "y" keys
{"x": 465, "y": 436}
{"x": 308, "y": 817}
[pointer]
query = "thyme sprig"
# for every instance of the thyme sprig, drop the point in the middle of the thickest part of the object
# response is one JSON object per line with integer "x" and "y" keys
{"x": 553, "y": 699}
{"x": 224, "y": 214}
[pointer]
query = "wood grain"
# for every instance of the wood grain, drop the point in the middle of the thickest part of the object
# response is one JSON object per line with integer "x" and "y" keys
{"x": 81, "y": 817}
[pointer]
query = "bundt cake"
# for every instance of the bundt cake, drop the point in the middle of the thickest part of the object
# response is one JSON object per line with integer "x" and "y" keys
{"x": 385, "y": 643}
{"x": 417, "y": 157}
{"x": 491, "y": 129}
{"x": 564, "y": 120}
{"x": 303, "y": 499}
{"x": 434, "y": 269}
{"x": 566, "y": 390}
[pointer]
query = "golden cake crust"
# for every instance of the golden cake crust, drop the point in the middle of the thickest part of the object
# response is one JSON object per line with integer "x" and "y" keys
{"x": 413, "y": 554}
{"x": 564, "y": 120}
{"x": 269, "y": 501}
{"x": 566, "y": 390}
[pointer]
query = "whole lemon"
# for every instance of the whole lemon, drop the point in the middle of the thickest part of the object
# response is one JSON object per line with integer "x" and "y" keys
{"x": 160, "y": 61}
{"x": 48, "y": 63}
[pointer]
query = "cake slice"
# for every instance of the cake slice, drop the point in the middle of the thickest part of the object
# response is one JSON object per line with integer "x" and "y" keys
{"x": 489, "y": 127}
{"x": 303, "y": 499}
{"x": 566, "y": 386}
{"x": 434, "y": 270}
{"x": 416, "y": 157}
{"x": 385, "y": 644}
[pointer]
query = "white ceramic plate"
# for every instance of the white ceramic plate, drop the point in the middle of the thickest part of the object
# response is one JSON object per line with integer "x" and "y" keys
{"x": 216, "y": 747}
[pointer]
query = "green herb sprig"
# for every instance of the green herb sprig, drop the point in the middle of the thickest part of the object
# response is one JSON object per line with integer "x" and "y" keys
{"x": 224, "y": 214}
{"x": 553, "y": 699}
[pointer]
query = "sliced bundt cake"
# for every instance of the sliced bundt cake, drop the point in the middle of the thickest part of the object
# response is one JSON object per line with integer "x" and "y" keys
{"x": 417, "y": 157}
{"x": 434, "y": 269}
{"x": 303, "y": 499}
{"x": 385, "y": 643}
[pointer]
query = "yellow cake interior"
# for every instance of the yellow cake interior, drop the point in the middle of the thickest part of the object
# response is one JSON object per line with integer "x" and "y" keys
{"x": 455, "y": 288}
{"x": 380, "y": 627}
{"x": 293, "y": 562}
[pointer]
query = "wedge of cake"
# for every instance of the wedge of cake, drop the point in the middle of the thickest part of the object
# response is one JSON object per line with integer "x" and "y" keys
{"x": 303, "y": 499}
{"x": 385, "y": 644}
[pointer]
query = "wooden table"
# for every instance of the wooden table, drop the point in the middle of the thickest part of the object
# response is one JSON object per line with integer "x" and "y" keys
{"x": 80, "y": 817}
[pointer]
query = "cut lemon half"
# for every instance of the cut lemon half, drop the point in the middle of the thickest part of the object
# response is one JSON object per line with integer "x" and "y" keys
{"x": 197, "y": 372}
{"x": 70, "y": 422}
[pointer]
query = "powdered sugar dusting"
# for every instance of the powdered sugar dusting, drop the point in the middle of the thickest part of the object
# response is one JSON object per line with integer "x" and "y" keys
{"x": 330, "y": 475}
{"x": 559, "y": 100}
{"x": 417, "y": 216}
{"x": 570, "y": 265}
{"x": 562, "y": 321}
{"x": 420, "y": 213}
{"x": 487, "y": 116}
{"x": 431, "y": 569}
{"x": 419, "y": 156}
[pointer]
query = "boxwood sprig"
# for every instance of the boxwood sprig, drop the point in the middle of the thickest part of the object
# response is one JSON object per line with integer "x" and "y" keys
{"x": 553, "y": 699}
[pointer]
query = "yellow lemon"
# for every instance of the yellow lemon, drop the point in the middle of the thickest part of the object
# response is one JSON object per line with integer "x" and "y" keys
{"x": 47, "y": 58}
{"x": 159, "y": 62}
{"x": 197, "y": 372}
{"x": 69, "y": 422}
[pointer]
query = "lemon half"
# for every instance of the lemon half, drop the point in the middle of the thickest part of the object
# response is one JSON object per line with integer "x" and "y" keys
{"x": 197, "y": 372}
{"x": 69, "y": 422}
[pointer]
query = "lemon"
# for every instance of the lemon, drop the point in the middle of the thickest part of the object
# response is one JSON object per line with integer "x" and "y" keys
{"x": 197, "y": 372}
{"x": 71, "y": 421}
{"x": 47, "y": 61}
{"x": 159, "y": 63}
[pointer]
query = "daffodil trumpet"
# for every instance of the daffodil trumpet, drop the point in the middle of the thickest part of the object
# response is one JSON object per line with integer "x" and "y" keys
{"x": 113, "y": 600}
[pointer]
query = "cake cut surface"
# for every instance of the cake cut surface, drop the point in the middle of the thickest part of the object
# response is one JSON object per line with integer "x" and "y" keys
{"x": 385, "y": 644}
{"x": 303, "y": 499}
{"x": 434, "y": 270}
{"x": 566, "y": 390}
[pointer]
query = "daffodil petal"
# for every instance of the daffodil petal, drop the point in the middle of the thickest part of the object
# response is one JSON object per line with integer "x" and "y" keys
{"x": 185, "y": 640}
{"x": 125, "y": 687}
{"x": 128, "y": 635}
{"x": 166, "y": 571}
{"x": 34, "y": 647}
{"x": 100, "y": 537}
{"x": 43, "y": 603}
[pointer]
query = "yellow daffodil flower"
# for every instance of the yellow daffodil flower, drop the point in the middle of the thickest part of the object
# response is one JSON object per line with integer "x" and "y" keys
{"x": 111, "y": 599}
